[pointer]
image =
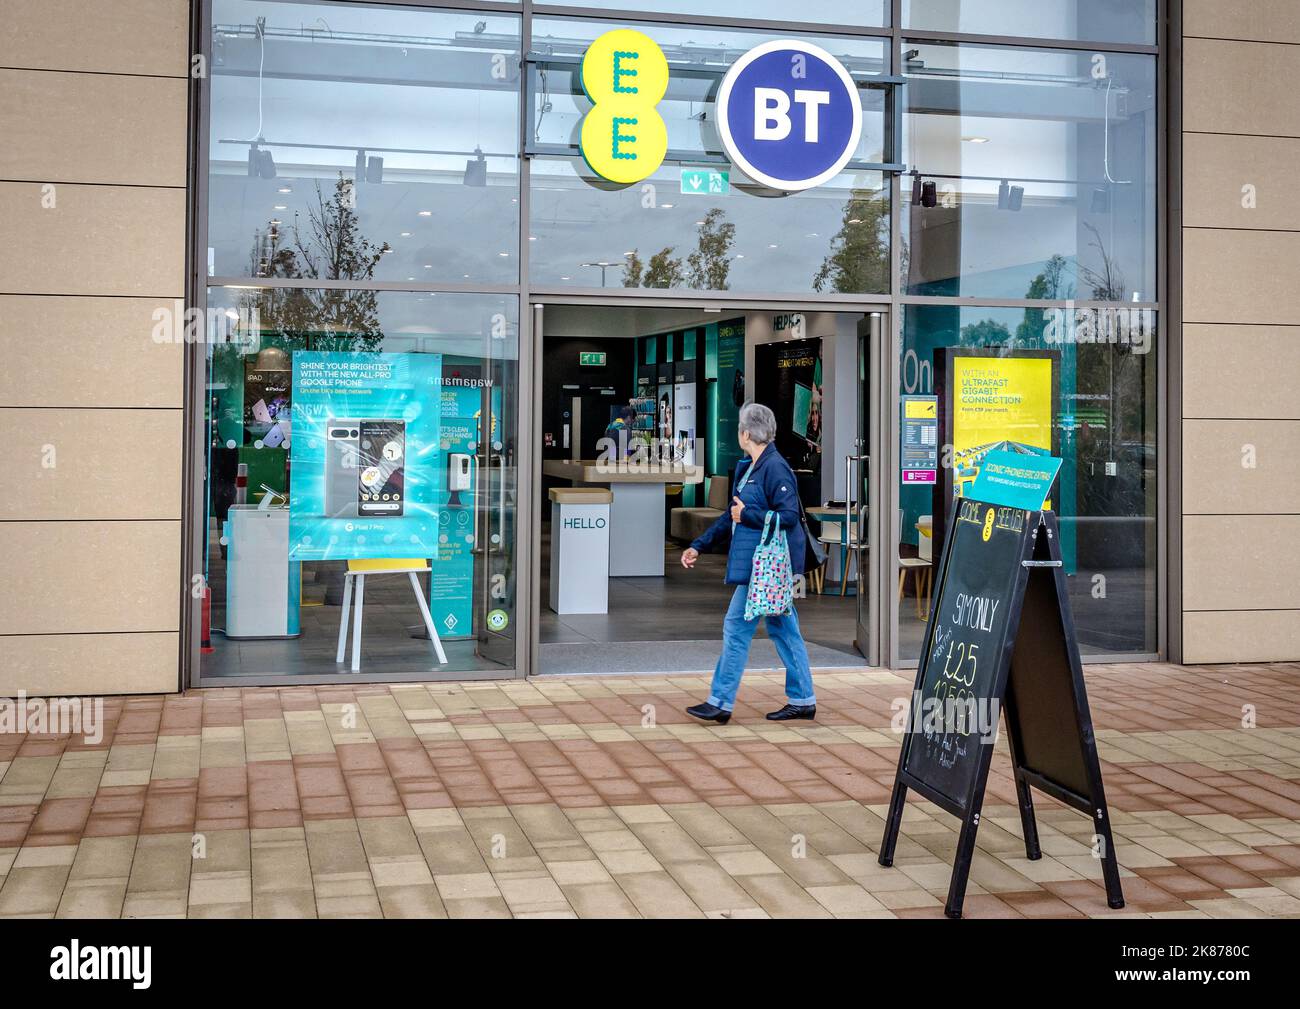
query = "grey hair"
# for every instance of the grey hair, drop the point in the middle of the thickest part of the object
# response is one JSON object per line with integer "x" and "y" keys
{"x": 758, "y": 422}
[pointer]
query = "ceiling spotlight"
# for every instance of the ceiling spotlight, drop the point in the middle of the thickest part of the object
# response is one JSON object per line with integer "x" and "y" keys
{"x": 375, "y": 170}
{"x": 1015, "y": 197}
{"x": 1004, "y": 194}
{"x": 476, "y": 169}
{"x": 916, "y": 191}
{"x": 1100, "y": 201}
{"x": 929, "y": 195}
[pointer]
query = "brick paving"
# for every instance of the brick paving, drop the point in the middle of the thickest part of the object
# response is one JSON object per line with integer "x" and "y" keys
{"x": 597, "y": 797}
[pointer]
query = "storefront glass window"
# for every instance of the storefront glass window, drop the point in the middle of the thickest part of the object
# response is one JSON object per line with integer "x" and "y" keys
{"x": 406, "y": 116}
{"x": 586, "y": 232}
{"x": 359, "y": 146}
{"x": 1086, "y": 20}
{"x": 1037, "y": 173}
{"x": 377, "y": 432}
{"x": 1098, "y": 415}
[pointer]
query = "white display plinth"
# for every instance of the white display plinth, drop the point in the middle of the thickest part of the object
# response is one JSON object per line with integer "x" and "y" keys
{"x": 637, "y": 513}
{"x": 261, "y": 590}
{"x": 638, "y": 517}
{"x": 580, "y": 549}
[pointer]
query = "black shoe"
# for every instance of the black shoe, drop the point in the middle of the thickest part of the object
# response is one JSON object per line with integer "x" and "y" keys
{"x": 793, "y": 711}
{"x": 709, "y": 713}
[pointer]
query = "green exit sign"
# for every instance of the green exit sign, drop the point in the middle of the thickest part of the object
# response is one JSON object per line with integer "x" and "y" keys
{"x": 591, "y": 359}
{"x": 705, "y": 182}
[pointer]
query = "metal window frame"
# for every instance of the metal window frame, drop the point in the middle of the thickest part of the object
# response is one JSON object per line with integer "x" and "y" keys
{"x": 1169, "y": 273}
{"x": 531, "y": 299}
{"x": 891, "y": 84}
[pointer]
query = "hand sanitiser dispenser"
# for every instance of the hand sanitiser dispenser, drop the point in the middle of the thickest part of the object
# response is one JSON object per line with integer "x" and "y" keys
{"x": 459, "y": 475}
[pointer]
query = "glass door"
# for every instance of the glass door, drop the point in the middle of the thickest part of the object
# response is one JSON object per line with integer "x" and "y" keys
{"x": 860, "y": 474}
{"x": 496, "y": 483}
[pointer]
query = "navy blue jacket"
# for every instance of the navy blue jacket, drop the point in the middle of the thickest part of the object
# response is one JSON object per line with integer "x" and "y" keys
{"x": 771, "y": 488}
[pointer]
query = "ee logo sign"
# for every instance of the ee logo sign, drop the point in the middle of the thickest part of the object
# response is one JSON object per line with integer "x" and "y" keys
{"x": 625, "y": 75}
{"x": 789, "y": 115}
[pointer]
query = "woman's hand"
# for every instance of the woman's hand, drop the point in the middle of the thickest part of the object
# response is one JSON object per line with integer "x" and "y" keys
{"x": 689, "y": 556}
{"x": 736, "y": 509}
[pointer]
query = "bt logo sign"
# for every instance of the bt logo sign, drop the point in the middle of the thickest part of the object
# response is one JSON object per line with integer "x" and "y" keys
{"x": 789, "y": 115}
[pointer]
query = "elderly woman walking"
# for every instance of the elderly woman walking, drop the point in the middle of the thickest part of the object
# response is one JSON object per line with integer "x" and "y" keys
{"x": 764, "y": 482}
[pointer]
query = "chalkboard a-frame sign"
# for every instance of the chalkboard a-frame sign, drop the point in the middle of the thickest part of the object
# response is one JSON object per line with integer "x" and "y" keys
{"x": 1000, "y": 636}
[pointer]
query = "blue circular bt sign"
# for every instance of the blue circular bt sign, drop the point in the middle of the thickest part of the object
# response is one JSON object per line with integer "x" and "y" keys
{"x": 789, "y": 115}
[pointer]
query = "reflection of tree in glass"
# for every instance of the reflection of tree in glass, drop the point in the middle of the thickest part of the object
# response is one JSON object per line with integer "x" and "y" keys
{"x": 985, "y": 333}
{"x": 663, "y": 270}
{"x": 330, "y": 247}
{"x": 706, "y": 268}
{"x": 1050, "y": 285}
{"x": 859, "y": 258}
{"x": 710, "y": 263}
{"x": 1107, "y": 283}
{"x": 1118, "y": 379}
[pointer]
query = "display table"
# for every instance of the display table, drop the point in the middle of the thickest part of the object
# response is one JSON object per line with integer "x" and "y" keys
{"x": 636, "y": 521}
{"x": 580, "y": 549}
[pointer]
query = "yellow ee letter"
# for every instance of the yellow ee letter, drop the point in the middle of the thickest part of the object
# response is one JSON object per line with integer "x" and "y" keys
{"x": 625, "y": 75}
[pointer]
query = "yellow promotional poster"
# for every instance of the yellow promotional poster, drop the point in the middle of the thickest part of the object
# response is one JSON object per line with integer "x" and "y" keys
{"x": 625, "y": 75}
{"x": 998, "y": 403}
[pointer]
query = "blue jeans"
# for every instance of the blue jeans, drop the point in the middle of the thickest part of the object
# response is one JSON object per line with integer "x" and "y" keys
{"x": 737, "y": 633}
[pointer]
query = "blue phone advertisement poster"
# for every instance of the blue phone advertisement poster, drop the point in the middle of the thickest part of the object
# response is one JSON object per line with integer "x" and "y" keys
{"x": 366, "y": 456}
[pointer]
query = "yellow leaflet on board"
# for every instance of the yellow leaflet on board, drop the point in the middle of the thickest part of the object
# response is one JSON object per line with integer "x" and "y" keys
{"x": 625, "y": 75}
{"x": 997, "y": 400}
